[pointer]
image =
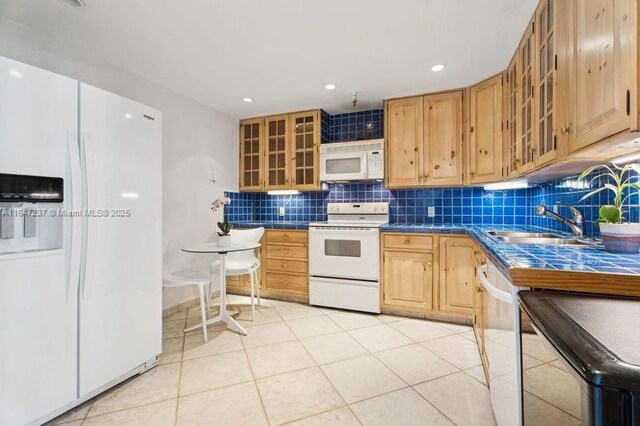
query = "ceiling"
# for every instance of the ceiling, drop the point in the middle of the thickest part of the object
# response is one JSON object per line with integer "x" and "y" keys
{"x": 282, "y": 52}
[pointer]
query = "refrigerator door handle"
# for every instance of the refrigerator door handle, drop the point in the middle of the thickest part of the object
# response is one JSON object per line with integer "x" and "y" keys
{"x": 84, "y": 288}
{"x": 75, "y": 238}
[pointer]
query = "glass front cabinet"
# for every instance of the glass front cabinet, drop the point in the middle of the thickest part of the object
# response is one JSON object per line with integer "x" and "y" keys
{"x": 280, "y": 152}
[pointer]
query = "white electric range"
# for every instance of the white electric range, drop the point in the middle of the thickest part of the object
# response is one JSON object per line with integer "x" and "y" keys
{"x": 344, "y": 256}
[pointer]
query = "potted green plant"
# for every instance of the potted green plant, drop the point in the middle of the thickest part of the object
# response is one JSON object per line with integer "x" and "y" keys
{"x": 617, "y": 235}
{"x": 224, "y": 239}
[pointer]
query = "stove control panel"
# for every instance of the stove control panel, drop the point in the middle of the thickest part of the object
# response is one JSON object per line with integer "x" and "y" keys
{"x": 358, "y": 208}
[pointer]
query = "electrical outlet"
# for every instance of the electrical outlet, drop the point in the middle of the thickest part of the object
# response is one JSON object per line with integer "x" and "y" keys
{"x": 281, "y": 211}
{"x": 554, "y": 208}
{"x": 431, "y": 211}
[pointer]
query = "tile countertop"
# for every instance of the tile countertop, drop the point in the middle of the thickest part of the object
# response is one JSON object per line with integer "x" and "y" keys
{"x": 583, "y": 268}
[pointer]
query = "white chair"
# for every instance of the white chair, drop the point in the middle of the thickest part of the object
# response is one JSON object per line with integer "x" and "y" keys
{"x": 195, "y": 275}
{"x": 244, "y": 262}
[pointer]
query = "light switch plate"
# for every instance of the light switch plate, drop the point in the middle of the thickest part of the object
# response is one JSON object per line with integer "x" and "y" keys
{"x": 431, "y": 211}
{"x": 281, "y": 211}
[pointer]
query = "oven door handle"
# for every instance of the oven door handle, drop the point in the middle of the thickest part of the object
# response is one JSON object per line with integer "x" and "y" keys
{"x": 342, "y": 230}
{"x": 492, "y": 289}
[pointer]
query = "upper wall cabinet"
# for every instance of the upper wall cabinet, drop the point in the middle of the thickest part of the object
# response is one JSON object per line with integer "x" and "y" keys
{"x": 526, "y": 92}
{"x": 280, "y": 152}
{"x": 546, "y": 81}
{"x": 404, "y": 142}
{"x": 304, "y": 149}
{"x": 276, "y": 164}
{"x": 511, "y": 135}
{"x": 251, "y": 171}
{"x": 424, "y": 140}
{"x": 601, "y": 70}
{"x": 443, "y": 139}
{"x": 485, "y": 131}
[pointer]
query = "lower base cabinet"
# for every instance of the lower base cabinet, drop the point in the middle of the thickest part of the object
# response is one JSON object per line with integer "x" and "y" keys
{"x": 284, "y": 266}
{"x": 409, "y": 280}
{"x": 428, "y": 274}
{"x": 480, "y": 311}
{"x": 457, "y": 274}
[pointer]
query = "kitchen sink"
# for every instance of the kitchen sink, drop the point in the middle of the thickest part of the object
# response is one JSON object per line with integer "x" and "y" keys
{"x": 519, "y": 234}
{"x": 547, "y": 238}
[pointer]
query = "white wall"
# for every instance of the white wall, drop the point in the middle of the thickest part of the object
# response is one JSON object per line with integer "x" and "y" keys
{"x": 195, "y": 138}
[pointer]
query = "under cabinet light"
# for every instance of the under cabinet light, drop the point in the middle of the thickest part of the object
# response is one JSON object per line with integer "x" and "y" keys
{"x": 284, "y": 192}
{"x": 626, "y": 159}
{"x": 501, "y": 186}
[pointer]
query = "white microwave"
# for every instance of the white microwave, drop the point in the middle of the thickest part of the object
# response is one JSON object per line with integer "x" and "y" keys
{"x": 352, "y": 161}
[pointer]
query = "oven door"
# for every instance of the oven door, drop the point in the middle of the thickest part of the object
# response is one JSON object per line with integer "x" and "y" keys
{"x": 343, "y": 166}
{"x": 344, "y": 253}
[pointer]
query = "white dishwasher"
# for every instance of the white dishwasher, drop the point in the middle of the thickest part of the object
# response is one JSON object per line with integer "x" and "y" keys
{"x": 502, "y": 345}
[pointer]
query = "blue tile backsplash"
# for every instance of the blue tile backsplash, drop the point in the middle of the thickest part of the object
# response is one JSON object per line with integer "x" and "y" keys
{"x": 459, "y": 205}
{"x": 569, "y": 190}
{"x": 452, "y": 205}
{"x": 354, "y": 126}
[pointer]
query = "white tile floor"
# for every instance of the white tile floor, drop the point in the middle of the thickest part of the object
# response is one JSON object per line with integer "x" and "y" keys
{"x": 305, "y": 366}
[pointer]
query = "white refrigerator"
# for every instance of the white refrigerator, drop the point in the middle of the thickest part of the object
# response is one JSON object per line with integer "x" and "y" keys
{"x": 81, "y": 292}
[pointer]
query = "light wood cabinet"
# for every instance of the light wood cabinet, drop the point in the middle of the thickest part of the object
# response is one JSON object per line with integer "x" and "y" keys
{"x": 485, "y": 131}
{"x": 443, "y": 139}
{"x": 404, "y": 142}
{"x": 286, "y": 266}
{"x": 602, "y": 74}
{"x": 428, "y": 274}
{"x": 280, "y": 152}
{"x": 457, "y": 273}
{"x": 480, "y": 307}
{"x": 424, "y": 140}
{"x": 276, "y": 164}
{"x": 408, "y": 280}
{"x": 305, "y": 146}
{"x": 251, "y": 155}
{"x": 526, "y": 93}
{"x": 546, "y": 81}
{"x": 511, "y": 133}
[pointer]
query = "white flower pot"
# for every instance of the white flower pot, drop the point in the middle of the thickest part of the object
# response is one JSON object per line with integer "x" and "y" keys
{"x": 621, "y": 237}
{"x": 224, "y": 240}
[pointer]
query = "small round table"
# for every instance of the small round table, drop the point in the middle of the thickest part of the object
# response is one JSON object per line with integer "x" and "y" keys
{"x": 222, "y": 254}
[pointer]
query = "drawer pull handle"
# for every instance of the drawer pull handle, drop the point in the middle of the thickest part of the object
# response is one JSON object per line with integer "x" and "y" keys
{"x": 284, "y": 265}
{"x": 407, "y": 241}
{"x": 285, "y": 236}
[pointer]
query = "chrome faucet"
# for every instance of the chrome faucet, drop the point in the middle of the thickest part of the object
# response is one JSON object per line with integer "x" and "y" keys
{"x": 575, "y": 223}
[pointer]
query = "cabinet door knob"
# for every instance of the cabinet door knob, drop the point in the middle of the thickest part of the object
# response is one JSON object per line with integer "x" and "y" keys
{"x": 566, "y": 130}
{"x": 471, "y": 129}
{"x": 407, "y": 241}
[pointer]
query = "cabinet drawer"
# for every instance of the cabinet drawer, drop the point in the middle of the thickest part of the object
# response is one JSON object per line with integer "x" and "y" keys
{"x": 295, "y": 266}
{"x": 286, "y": 252}
{"x": 413, "y": 241}
{"x": 287, "y": 237}
{"x": 287, "y": 283}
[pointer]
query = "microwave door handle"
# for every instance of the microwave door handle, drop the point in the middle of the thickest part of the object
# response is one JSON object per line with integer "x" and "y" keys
{"x": 491, "y": 289}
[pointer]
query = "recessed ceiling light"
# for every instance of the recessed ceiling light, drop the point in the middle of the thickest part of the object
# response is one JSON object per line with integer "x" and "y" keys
{"x": 16, "y": 73}
{"x": 127, "y": 115}
{"x": 329, "y": 86}
{"x": 438, "y": 67}
{"x": 247, "y": 99}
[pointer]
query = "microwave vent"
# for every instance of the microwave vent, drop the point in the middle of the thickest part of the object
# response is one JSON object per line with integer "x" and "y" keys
{"x": 368, "y": 145}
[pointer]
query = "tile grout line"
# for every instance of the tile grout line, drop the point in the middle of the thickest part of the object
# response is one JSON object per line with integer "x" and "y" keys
{"x": 323, "y": 373}
{"x": 255, "y": 381}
